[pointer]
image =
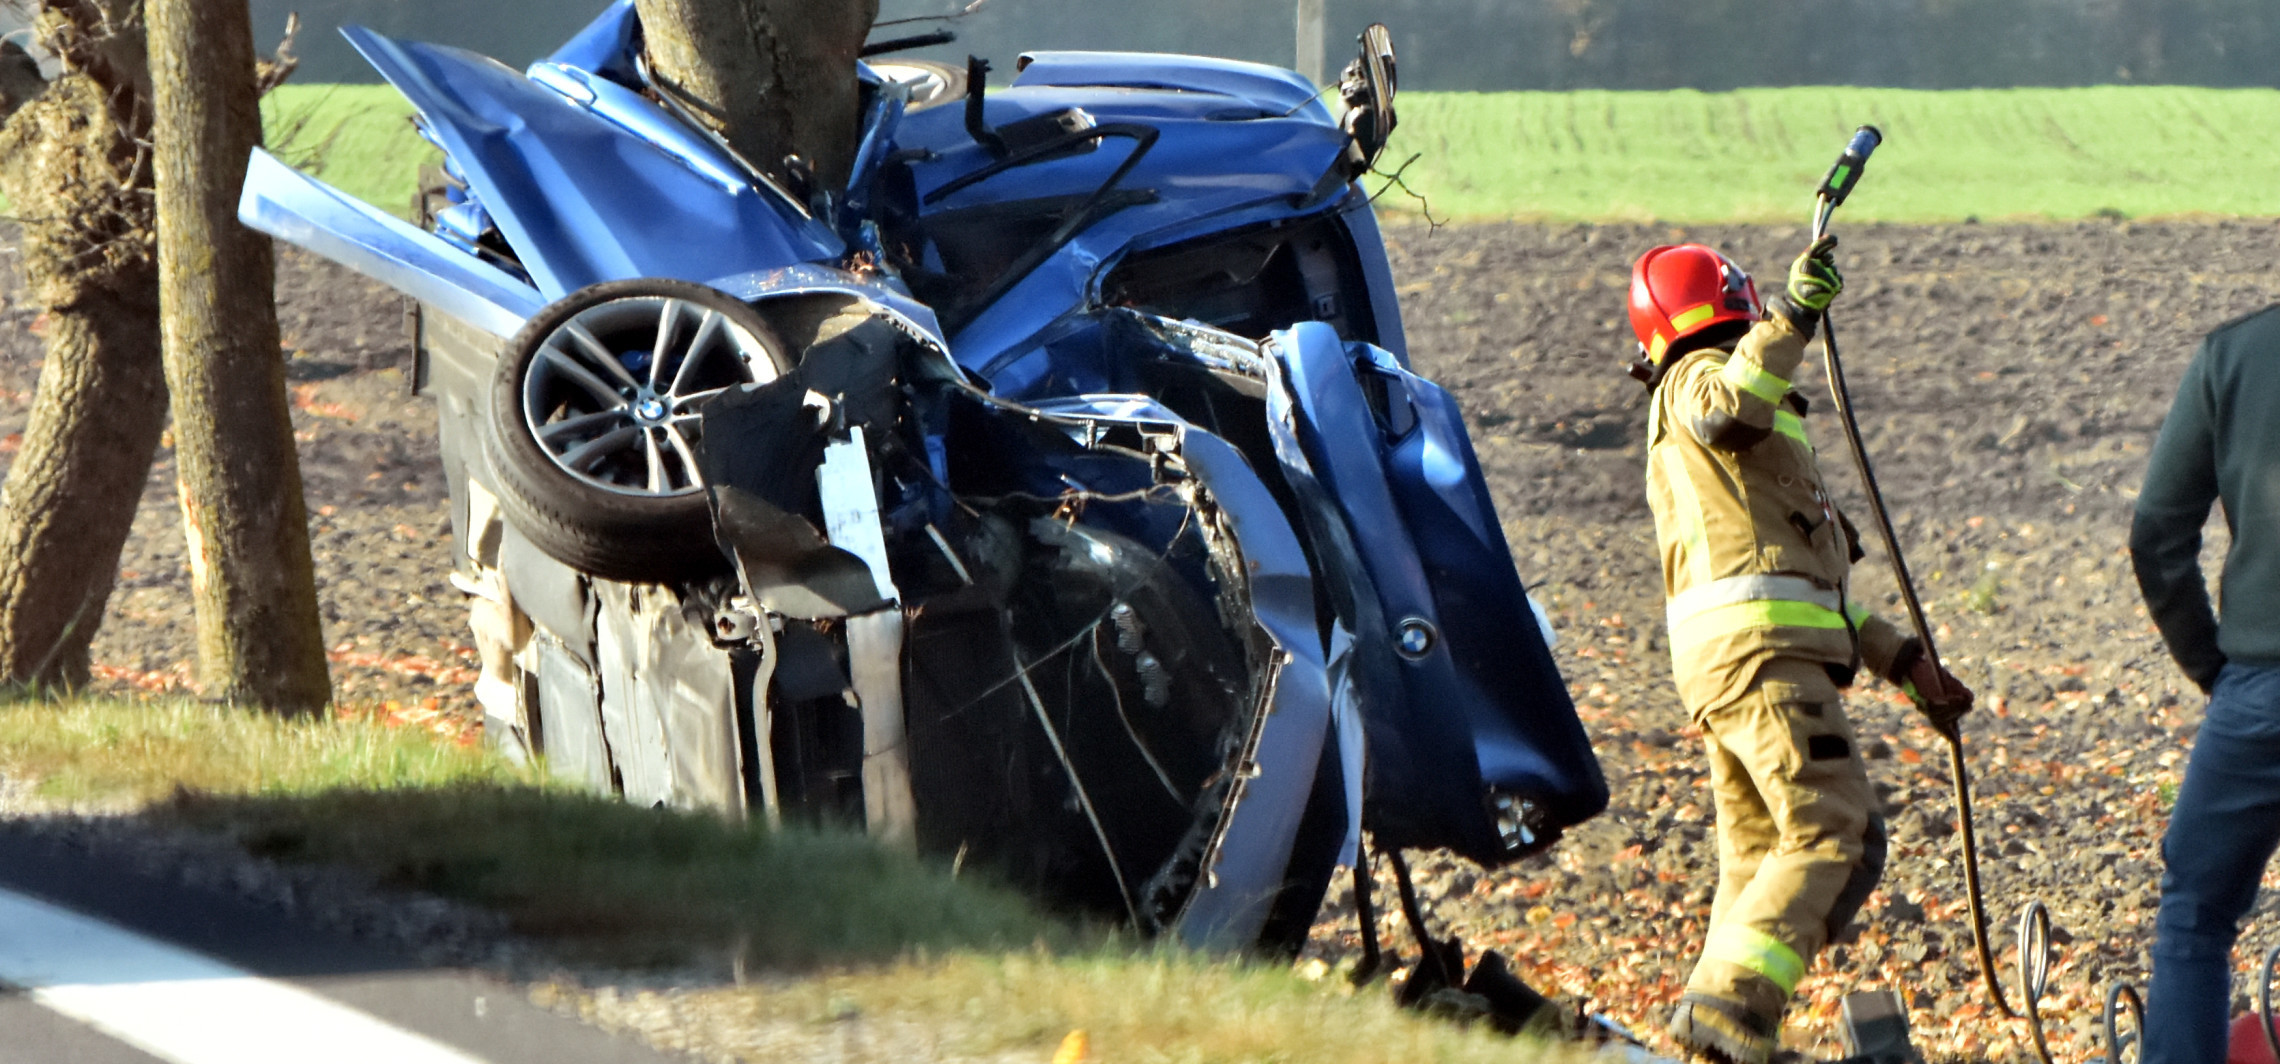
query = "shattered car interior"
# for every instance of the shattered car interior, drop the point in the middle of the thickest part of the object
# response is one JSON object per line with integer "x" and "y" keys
{"x": 1058, "y": 492}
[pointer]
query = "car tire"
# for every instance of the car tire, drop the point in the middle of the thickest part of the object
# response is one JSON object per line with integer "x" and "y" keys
{"x": 597, "y": 461}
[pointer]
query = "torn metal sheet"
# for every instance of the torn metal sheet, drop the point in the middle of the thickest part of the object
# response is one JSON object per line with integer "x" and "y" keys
{"x": 874, "y": 640}
{"x": 1401, "y": 476}
{"x": 584, "y": 196}
{"x": 850, "y": 502}
{"x": 571, "y": 716}
{"x": 284, "y": 203}
{"x": 668, "y": 701}
{"x": 1243, "y": 865}
{"x": 874, "y": 655}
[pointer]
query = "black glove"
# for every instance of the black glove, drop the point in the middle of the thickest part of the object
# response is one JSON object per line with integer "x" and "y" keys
{"x": 1939, "y": 696}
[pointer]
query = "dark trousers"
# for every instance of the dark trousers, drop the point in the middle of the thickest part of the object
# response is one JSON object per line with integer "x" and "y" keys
{"x": 2221, "y": 834}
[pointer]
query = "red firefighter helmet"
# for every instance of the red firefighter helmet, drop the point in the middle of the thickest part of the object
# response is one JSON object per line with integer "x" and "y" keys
{"x": 1679, "y": 290}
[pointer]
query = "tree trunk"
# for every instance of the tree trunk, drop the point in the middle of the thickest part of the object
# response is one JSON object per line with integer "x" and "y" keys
{"x": 776, "y": 77}
{"x": 260, "y": 640}
{"x": 80, "y": 187}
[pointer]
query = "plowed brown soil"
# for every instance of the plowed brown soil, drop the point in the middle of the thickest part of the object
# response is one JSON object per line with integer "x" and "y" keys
{"x": 2010, "y": 379}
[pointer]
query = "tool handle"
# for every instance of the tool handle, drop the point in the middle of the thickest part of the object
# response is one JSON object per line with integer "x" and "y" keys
{"x": 1846, "y": 173}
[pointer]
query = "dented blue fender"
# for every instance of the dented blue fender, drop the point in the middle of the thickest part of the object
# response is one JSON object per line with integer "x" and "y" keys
{"x": 587, "y": 180}
{"x": 1244, "y": 869}
{"x": 300, "y": 210}
{"x": 1462, "y": 700}
{"x": 914, "y": 317}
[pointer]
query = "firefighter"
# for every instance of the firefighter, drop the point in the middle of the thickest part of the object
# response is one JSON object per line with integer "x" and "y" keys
{"x": 1763, "y": 639}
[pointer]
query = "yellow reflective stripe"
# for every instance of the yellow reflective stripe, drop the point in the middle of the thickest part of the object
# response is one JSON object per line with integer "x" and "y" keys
{"x": 1744, "y": 616}
{"x": 1769, "y": 613}
{"x": 1792, "y": 426}
{"x": 1656, "y": 348}
{"x": 1686, "y": 510}
{"x": 1856, "y": 613}
{"x": 1747, "y": 375}
{"x": 1744, "y": 946}
{"x": 1750, "y": 587}
{"x": 1692, "y": 316}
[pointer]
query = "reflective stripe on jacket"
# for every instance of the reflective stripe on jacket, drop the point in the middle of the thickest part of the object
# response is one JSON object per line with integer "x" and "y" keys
{"x": 1754, "y": 554}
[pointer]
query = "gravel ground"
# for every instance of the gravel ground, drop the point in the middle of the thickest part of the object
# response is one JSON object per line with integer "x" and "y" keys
{"x": 379, "y": 518}
{"x": 2009, "y": 378}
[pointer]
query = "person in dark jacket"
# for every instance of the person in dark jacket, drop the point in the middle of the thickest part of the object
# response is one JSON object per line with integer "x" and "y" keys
{"x": 2221, "y": 441}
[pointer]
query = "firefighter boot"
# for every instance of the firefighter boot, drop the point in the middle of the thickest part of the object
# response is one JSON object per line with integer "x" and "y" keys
{"x": 1731, "y": 1031}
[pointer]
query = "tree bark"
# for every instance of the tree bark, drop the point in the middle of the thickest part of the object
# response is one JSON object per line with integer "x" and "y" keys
{"x": 80, "y": 186}
{"x": 260, "y": 639}
{"x": 776, "y": 77}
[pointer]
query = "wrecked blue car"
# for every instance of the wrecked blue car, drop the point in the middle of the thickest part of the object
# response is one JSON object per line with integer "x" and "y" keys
{"x": 1057, "y": 494}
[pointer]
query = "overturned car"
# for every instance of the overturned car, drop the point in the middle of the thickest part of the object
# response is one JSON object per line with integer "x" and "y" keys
{"x": 1057, "y": 493}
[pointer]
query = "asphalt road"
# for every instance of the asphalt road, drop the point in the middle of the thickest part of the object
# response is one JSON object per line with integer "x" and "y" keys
{"x": 101, "y": 964}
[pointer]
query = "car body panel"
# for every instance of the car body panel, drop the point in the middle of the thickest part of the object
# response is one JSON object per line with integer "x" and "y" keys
{"x": 308, "y": 213}
{"x": 1266, "y": 90}
{"x": 1205, "y": 173}
{"x": 1244, "y": 866}
{"x": 580, "y": 197}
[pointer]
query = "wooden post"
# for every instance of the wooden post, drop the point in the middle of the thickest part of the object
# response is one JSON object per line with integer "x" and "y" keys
{"x": 1312, "y": 28}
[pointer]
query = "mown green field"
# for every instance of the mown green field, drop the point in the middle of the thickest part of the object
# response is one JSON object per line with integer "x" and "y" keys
{"x": 358, "y": 138}
{"x": 1751, "y": 155}
{"x": 1757, "y": 154}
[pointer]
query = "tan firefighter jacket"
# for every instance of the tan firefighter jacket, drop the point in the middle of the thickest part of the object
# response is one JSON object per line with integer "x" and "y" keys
{"x": 1754, "y": 554}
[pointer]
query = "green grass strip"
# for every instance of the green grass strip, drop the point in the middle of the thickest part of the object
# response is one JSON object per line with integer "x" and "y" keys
{"x": 636, "y": 887}
{"x": 630, "y": 885}
{"x": 1161, "y": 1005}
{"x": 111, "y": 752}
{"x": 1757, "y": 154}
{"x": 834, "y": 927}
{"x": 1749, "y": 155}
{"x": 357, "y": 138}
{"x": 1753, "y": 155}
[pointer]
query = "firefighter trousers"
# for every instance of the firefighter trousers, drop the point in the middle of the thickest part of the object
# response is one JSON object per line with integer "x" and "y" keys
{"x": 1800, "y": 834}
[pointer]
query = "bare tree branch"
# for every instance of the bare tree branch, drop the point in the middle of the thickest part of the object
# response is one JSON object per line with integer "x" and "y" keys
{"x": 273, "y": 71}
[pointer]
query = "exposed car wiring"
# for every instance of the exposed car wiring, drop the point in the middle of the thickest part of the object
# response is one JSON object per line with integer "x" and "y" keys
{"x": 1083, "y": 633}
{"x": 1116, "y": 698}
{"x": 1394, "y": 180}
{"x": 1084, "y": 798}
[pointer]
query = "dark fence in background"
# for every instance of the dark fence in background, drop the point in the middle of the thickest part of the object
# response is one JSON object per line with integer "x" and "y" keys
{"x": 1508, "y": 44}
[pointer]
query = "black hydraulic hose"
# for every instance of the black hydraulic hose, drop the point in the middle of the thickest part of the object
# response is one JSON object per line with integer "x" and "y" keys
{"x": 1839, "y": 184}
{"x": 2034, "y": 971}
{"x": 2124, "y": 1006}
{"x": 1953, "y": 732}
{"x": 2265, "y": 974}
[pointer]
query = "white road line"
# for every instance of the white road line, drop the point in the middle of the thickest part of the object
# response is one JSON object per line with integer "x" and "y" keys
{"x": 185, "y": 1007}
